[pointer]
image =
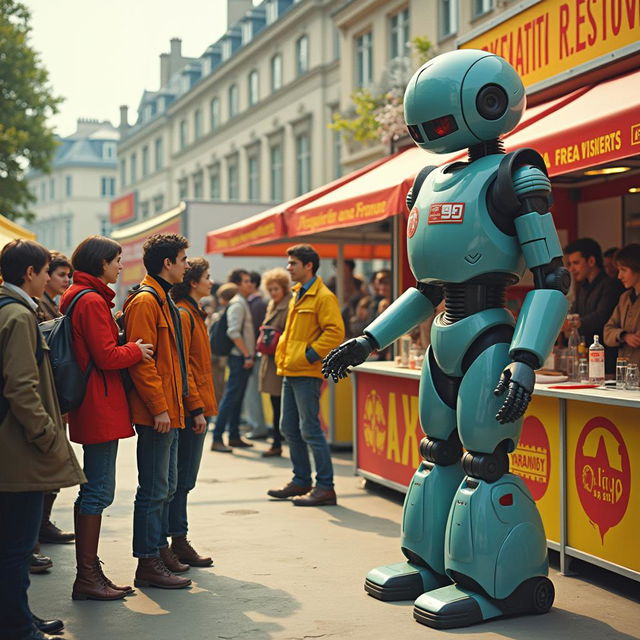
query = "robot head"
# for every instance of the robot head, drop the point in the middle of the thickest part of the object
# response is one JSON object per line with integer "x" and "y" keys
{"x": 461, "y": 98}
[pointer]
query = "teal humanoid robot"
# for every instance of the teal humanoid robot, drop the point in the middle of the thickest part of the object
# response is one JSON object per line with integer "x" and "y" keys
{"x": 473, "y": 539}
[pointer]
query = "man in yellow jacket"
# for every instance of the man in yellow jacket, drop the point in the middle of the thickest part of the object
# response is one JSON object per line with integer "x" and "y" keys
{"x": 314, "y": 327}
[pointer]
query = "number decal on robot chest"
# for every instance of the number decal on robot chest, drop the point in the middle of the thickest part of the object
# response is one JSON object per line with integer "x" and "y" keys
{"x": 446, "y": 213}
{"x": 412, "y": 224}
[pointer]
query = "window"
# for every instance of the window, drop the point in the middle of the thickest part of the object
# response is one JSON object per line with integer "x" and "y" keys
{"x": 105, "y": 226}
{"x": 183, "y": 189}
{"x": 276, "y": 172}
{"x": 448, "y": 18}
{"x": 52, "y": 189}
{"x": 214, "y": 184}
{"x": 253, "y": 88}
{"x": 276, "y": 72}
{"x": 336, "y": 43}
{"x": 215, "y": 114}
{"x": 183, "y": 134}
{"x": 43, "y": 192}
{"x": 145, "y": 161}
{"x": 303, "y": 164}
{"x": 123, "y": 173}
{"x": 68, "y": 228}
{"x": 253, "y": 167}
{"x": 107, "y": 187}
{"x": 108, "y": 150}
{"x": 159, "y": 152}
{"x": 399, "y": 31}
{"x": 272, "y": 11}
{"x": 197, "y": 124}
{"x": 68, "y": 186}
{"x": 133, "y": 168}
{"x": 480, "y": 7}
{"x": 144, "y": 209}
{"x": 337, "y": 154}
{"x": 364, "y": 60}
{"x": 198, "y": 190}
{"x": 158, "y": 203}
{"x": 232, "y": 174}
{"x": 233, "y": 100}
{"x": 302, "y": 55}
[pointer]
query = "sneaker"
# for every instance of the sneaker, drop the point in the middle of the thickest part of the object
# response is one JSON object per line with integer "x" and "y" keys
{"x": 258, "y": 434}
{"x": 222, "y": 448}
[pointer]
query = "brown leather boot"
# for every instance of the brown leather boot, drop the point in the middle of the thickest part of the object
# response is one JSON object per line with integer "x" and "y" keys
{"x": 48, "y": 530}
{"x": 128, "y": 589}
{"x": 186, "y": 553}
{"x": 171, "y": 561}
{"x": 89, "y": 583}
{"x": 151, "y": 572}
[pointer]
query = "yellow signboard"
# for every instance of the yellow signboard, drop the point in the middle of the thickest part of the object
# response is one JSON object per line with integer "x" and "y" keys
{"x": 603, "y": 483}
{"x": 553, "y": 38}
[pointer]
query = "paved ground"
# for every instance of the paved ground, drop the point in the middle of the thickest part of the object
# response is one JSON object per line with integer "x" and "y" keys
{"x": 285, "y": 573}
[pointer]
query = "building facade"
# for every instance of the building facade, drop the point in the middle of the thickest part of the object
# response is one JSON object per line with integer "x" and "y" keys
{"x": 72, "y": 202}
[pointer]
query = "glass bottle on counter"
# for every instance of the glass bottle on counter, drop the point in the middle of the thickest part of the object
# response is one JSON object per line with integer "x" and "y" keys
{"x": 596, "y": 361}
{"x": 572, "y": 354}
{"x": 583, "y": 370}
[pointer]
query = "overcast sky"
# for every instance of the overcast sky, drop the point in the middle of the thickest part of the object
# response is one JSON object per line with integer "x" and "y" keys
{"x": 103, "y": 54}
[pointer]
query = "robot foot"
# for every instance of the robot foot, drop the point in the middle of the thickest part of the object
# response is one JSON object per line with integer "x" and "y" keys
{"x": 455, "y": 606}
{"x": 402, "y": 581}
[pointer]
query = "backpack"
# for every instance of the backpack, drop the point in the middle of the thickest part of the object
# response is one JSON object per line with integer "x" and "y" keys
{"x": 221, "y": 343}
{"x": 70, "y": 380}
{"x": 4, "y": 403}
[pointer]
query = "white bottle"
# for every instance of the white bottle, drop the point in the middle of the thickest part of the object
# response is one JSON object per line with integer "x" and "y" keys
{"x": 596, "y": 362}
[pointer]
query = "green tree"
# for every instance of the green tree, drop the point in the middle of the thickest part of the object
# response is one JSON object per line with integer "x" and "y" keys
{"x": 26, "y": 102}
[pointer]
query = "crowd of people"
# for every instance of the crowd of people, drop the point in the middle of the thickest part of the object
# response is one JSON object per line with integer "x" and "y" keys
{"x": 150, "y": 371}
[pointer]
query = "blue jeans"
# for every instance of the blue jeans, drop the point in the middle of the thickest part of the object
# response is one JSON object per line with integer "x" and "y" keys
{"x": 157, "y": 455}
{"x": 231, "y": 405}
{"x": 20, "y": 515}
{"x": 300, "y": 425}
{"x": 252, "y": 412}
{"x": 100, "y": 468}
{"x": 189, "y": 454}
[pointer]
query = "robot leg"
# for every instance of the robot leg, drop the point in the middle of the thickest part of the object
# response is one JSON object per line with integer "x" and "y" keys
{"x": 428, "y": 500}
{"x": 496, "y": 551}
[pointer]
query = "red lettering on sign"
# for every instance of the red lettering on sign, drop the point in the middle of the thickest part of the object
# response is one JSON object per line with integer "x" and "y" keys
{"x": 602, "y": 474}
{"x": 446, "y": 213}
{"x": 532, "y": 459}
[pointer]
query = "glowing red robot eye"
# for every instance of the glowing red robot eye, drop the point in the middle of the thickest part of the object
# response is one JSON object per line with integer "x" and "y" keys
{"x": 440, "y": 127}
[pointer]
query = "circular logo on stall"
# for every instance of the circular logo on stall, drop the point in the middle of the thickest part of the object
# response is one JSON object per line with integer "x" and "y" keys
{"x": 412, "y": 224}
{"x": 375, "y": 422}
{"x": 532, "y": 459}
{"x": 602, "y": 473}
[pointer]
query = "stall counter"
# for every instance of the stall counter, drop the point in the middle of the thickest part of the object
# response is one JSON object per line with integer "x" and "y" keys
{"x": 574, "y": 454}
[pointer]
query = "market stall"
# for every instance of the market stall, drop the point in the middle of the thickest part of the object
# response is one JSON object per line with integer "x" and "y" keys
{"x": 575, "y": 454}
{"x": 9, "y": 230}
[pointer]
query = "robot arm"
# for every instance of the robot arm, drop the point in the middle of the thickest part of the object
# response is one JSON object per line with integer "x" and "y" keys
{"x": 414, "y": 306}
{"x": 545, "y": 307}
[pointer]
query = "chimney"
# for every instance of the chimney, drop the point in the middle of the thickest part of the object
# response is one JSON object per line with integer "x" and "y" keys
{"x": 124, "y": 118}
{"x": 176, "y": 48}
{"x": 165, "y": 69}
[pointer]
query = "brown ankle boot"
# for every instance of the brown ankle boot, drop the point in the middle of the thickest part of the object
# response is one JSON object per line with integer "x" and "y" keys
{"x": 151, "y": 572}
{"x": 186, "y": 553}
{"x": 171, "y": 561}
{"x": 48, "y": 530}
{"x": 89, "y": 583}
{"x": 128, "y": 589}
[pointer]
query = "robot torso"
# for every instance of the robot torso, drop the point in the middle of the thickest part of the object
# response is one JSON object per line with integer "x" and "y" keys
{"x": 451, "y": 236}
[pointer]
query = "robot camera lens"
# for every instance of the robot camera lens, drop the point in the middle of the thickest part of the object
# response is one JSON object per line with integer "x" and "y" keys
{"x": 492, "y": 102}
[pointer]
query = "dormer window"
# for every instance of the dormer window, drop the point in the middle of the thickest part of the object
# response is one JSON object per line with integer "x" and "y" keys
{"x": 109, "y": 151}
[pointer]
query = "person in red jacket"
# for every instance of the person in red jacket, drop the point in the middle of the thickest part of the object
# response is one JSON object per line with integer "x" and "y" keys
{"x": 103, "y": 417}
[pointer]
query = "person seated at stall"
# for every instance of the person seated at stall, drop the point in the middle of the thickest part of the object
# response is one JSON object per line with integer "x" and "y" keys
{"x": 381, "y": 285}
{"x": 596, "y": 294}
{"x": 623, "y": 328}
{"x": 354, "y": 289}
{"x": 609, "y": 257}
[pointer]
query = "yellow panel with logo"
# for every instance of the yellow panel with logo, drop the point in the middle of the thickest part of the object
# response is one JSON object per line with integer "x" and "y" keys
{"x": 603, "y": 520}
{"x": 537, "y": 460}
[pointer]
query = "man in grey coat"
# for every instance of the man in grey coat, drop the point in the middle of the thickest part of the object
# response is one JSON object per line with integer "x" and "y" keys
{"x": 241, "y": 360}
{"x": 35, "y": 455}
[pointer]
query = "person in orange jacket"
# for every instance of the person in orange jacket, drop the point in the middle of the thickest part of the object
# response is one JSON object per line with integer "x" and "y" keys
{"x": 195, "y": 285}
{"x": 163, "y": 389}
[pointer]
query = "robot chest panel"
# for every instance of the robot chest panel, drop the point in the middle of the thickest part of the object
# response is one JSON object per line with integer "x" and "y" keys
{"x": 450, "y": 234}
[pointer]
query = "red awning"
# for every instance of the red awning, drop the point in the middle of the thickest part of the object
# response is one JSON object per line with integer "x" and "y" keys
{"x": 601, "y": 125}
{"x": 269, "y": 225}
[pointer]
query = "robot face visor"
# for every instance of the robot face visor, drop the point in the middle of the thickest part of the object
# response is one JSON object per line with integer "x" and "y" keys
{"x": 433, "y": 129}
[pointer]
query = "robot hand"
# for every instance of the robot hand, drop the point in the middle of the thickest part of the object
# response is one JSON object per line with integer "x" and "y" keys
{"x": 518, "y": 380}
{"x": 349, "y": 354}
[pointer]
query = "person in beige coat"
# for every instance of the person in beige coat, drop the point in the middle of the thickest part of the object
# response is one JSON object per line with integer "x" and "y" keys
{"x": 623, "y": 327}
{"x": 278, "y": 285}
{"x": 35, "y": 454}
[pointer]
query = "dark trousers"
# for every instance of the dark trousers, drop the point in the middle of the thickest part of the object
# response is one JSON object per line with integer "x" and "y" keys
{"x": 231, "y": 404}
{"x": 20, "y": 515}
{"x": 276, "y": 402}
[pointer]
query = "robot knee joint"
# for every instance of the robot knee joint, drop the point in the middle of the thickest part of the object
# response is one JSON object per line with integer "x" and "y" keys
{"x": 442, "y": 452}
{"x": 487, "y": 466}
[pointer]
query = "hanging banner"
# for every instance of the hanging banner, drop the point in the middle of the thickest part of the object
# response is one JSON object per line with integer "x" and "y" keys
{"x": 122, "y": 209}
{"x": 552, "y": 40}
